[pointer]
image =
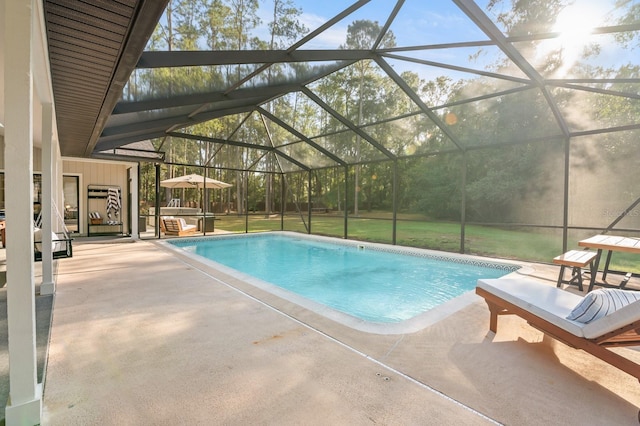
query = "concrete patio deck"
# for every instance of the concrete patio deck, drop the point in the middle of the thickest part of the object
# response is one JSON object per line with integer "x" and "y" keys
{"x": 143, "y": 336}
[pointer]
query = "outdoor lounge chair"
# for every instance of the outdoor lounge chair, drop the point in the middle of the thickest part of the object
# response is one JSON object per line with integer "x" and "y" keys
{"x": 547, "y": 308}
{"x": 177, "y": 226}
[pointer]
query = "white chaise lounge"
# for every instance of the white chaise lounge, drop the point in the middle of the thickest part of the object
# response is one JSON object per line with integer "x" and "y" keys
{"x": 547, "y": 308}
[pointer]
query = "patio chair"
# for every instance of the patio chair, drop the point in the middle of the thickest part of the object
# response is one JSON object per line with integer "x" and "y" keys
{"x": 163, "y": 229}
{"x": 177, "y": 226}
{"x": 612, "y": 316}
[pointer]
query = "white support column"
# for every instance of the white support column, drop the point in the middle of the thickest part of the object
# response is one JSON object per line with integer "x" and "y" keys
{"x": 25, "y": 395}
{"x": 48, "y": 285}
{"x": 135, "y": 204}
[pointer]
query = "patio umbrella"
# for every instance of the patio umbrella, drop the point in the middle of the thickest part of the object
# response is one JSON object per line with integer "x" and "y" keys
{"x": 193, "y": 181}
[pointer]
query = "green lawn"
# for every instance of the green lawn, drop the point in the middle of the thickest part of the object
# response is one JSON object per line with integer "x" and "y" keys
{"x": 415, "y": 231}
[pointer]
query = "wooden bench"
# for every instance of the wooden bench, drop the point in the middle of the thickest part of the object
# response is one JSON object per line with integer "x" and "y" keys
{"x": 576, "y": 259}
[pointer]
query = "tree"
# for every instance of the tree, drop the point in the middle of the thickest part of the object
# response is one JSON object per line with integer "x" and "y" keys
{"x": 284, "y": 29}
{"x": 361, "y": 35}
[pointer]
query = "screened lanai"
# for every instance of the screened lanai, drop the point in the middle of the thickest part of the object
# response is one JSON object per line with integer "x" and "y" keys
{"x": 455, "y": 125}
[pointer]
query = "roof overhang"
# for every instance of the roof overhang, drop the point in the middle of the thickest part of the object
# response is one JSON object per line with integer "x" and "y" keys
{"x": 93, "y": 48}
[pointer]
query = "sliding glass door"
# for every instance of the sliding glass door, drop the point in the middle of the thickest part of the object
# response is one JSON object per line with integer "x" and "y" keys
{"x": 71, "y": 189}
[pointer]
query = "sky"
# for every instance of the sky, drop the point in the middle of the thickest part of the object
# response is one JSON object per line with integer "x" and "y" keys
{"x": 422, "y": 22}
{"x": 429, "y": 22}
{"x": 419, "y": 22}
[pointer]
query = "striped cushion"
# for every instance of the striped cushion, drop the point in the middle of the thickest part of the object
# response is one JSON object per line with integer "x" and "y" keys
{"x": 600, "y": 303}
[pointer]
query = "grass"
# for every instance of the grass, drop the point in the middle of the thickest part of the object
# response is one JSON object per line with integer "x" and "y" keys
{"x": 418, "y": 231}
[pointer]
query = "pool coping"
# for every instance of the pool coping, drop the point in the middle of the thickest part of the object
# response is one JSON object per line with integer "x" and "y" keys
{"x": 410, "y": 325}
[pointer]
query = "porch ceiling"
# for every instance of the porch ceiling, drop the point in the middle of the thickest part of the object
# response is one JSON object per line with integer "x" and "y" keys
{"x": 93, "y": 47}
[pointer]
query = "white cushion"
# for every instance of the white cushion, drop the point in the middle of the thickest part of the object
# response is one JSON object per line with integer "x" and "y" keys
{"x": 602, "y": 302}
{"x": 545, "y": 301}
{"x": 554, "y": 305}
{"x": 184, "y": 226}
{"x": 615, "y": 320}
{"x": 56, "y": 246}
{"x": 37, "y": 238}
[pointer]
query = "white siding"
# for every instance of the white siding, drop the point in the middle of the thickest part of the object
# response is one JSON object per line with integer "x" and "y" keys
{"x": 98, "y": 173}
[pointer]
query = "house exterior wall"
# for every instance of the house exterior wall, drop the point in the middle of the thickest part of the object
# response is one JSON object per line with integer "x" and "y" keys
{"x": 89, "y": 172}
{"x": 92, "y": 172}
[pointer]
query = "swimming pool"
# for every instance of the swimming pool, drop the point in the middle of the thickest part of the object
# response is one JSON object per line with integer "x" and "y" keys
{"x": 374, "y": 283}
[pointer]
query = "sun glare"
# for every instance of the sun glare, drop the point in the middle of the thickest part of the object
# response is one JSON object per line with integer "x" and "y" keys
{"x": 574, "y": 25}
{"x": 576, "y": 22}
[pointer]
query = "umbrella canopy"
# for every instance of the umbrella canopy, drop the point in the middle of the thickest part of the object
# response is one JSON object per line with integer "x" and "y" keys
{"x": 193, "y": 181}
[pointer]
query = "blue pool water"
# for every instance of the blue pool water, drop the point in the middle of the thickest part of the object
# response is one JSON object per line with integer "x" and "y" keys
{"x": 371, "y": 284}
